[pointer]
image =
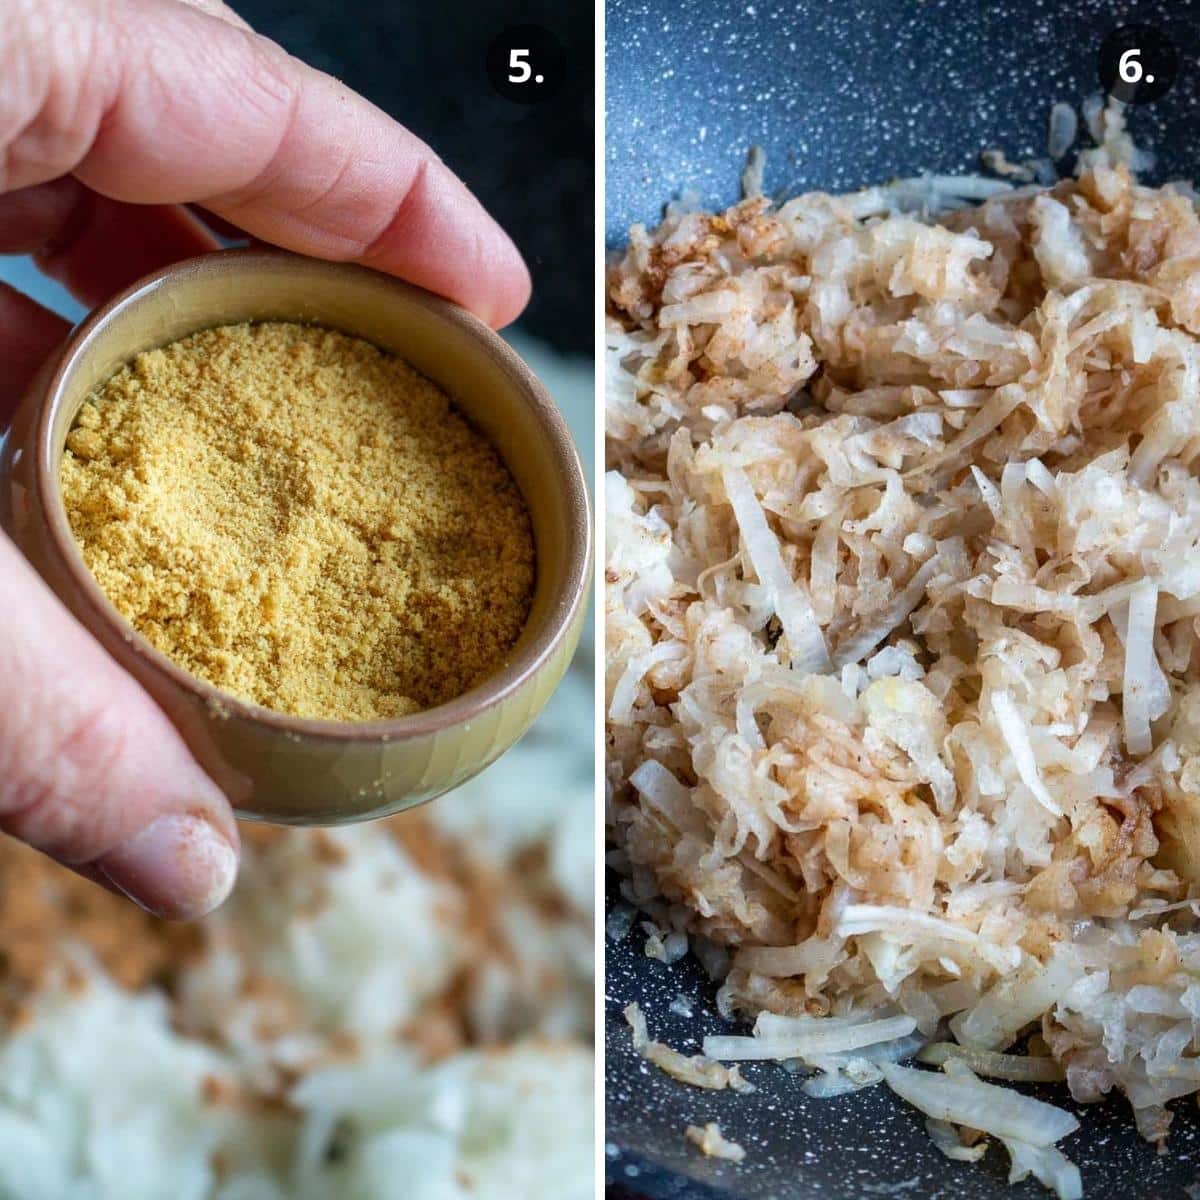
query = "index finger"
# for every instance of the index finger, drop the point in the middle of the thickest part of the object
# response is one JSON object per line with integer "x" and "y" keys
{"x": 158, "y": 102}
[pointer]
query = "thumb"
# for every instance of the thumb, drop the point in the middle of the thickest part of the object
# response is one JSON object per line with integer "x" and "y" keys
{"x": 91, "y": 771}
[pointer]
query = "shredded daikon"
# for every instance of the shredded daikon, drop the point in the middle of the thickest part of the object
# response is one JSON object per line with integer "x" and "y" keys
{"x": 698, "y": 1070}
{"x": 1016, "y": 1068}
{"x": 713, "y": 1144}
{"x": 945, "y": 1138}
{"x": 805, "y": 1045}
{"x": 1015, "y": 1001}
{"x": 789, "y": 600}
{"x": 1017, "y": 737}
{"x": 965, "y": 1100}
{"x": 1047, "y": 1164}
{"x": 1143, "y": 687}
{"x": 903, "y": 624}
{"x": 898, "y": 922}
{"x": 1064, "y": 125}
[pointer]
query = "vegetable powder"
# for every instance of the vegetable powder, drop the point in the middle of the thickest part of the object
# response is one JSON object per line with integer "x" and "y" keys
{"x": 302, "y": 520}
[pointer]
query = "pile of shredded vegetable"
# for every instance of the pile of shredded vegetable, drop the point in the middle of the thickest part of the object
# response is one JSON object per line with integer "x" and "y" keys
{"x": 903, "y": 603}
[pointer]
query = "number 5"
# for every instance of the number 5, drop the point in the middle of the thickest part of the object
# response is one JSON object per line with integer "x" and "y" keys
{"x": 518, "y": 66}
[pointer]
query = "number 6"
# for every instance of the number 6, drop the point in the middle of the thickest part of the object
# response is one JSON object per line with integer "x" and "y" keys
{"x": 1129, "y": 68}
{"x": 518, "y": 66}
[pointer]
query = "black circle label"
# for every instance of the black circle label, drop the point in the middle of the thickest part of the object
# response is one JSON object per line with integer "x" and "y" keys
{"x": 526, "y": 63}
{"x": 1138, "y": 64}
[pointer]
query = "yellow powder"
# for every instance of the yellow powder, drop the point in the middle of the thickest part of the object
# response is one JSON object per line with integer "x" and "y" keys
{"x": 302, "y": 520}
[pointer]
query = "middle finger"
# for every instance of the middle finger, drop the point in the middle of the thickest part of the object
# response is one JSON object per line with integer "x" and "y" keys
{"x": 92, "y": 245}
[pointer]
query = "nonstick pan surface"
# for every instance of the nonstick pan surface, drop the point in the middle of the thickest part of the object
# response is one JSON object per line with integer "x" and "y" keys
{"x": 859, "y": 1147}
{"x": 848, "y": 94}
{"x": 842, "y": 95}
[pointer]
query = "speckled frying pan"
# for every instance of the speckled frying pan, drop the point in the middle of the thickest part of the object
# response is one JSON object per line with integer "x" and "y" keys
{"x": 840, "y": 95}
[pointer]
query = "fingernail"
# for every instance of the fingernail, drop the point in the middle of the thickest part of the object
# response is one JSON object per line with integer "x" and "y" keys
{"x": 178, "y": 867}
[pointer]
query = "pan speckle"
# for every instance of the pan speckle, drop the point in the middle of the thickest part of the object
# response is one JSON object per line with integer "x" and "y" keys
{"x": 692, "y": 84}
{"x": 867, "y": 1144}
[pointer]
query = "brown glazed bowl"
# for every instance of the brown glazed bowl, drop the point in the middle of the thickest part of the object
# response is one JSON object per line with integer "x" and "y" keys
{"x": 275, "y": 767}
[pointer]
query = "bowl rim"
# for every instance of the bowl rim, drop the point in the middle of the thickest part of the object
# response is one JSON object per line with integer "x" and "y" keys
{"x": 570, "y": 590}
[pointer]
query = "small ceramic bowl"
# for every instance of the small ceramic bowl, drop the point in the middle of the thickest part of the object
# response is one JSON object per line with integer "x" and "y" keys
{"x": 272, "y": 766}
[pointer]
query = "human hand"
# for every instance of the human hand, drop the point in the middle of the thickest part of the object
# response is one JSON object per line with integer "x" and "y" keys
{"x": 114, "y": 114}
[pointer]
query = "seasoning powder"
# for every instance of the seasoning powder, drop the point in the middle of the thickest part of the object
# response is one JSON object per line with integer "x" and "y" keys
{"x": 302, "y": 520}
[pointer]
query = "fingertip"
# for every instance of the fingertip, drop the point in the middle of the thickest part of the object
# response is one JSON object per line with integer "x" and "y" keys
{"x": 440, "y": 237}
{"x": 513, "y": 286}
{"x": 180, "y": 867}
{"x": 497, "y": 286}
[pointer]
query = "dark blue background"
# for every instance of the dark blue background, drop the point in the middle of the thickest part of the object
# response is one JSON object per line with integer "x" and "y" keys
{"x": 532, "y": 165}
